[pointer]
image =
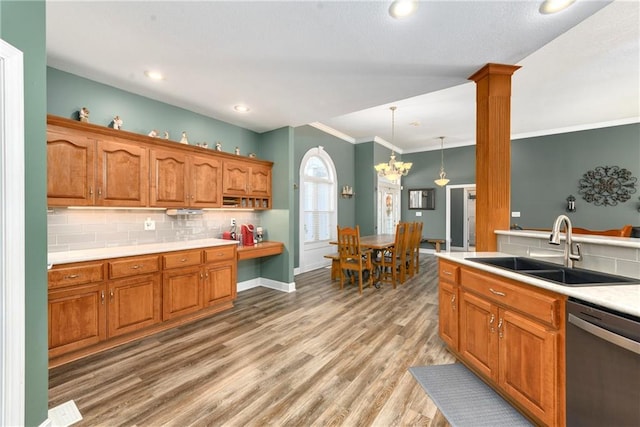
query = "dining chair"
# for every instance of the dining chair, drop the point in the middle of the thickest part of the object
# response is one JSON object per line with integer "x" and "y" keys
{"x": 414, "y": 263}
{"x": 392, "y": 261}
{"x": 353, "y": 258}
{"x": 408, "y": 250}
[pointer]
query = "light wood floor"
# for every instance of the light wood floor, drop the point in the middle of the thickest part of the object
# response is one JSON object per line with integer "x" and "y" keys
{"x": 317, "y": 356}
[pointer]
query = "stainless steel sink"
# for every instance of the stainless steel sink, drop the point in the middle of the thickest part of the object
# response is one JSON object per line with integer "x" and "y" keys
{"x": 555, "y": 273}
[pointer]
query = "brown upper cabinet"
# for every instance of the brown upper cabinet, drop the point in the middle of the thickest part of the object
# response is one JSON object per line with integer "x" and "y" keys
{"x": 180, "y": 179}
{"x": 90, "y": 165}
{"x": 86, "y": 171}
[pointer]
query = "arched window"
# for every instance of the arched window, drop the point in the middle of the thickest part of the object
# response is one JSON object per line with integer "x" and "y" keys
{"x": 318, "y": 208}
{"x": 318, "y": 182}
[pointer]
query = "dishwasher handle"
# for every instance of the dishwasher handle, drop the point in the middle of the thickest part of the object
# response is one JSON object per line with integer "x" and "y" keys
{"x": 606, "y": 335}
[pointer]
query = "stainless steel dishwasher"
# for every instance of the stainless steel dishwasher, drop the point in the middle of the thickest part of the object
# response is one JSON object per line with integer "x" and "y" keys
{"x": 603, "y": 366}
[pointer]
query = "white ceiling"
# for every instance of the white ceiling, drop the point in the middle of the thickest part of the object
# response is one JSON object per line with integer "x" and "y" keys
{"x": 343, "y": 63}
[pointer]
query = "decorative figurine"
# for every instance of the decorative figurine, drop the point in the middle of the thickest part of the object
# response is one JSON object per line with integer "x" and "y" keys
{"x": 153, "y": 134}
{"x": 166, "y": 134}
{"x": 84, "y": 114}
{"x": 117, "y": 123}
{"x": 237, "y": 151}
{"x": 252, "y": 155}
{"x": 218, "y": 146}
{"x": 184, "y": 139}
{"x": 205, "y": 145}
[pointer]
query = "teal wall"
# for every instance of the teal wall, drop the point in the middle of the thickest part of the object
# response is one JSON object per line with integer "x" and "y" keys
{"x": 23, "y": 26}
{"x": 546, "y": 170}
{"x": 365, "y": 185}
{"x": 460, "y": 166}
{"x": 279, "y": 221}
{"x": 343, "y": 155}
{"x": 67, "y": 93}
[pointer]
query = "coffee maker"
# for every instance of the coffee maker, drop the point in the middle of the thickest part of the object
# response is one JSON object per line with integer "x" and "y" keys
{"x": 246, "y": 231}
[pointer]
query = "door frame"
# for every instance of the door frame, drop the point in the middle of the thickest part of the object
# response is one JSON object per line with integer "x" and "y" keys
{"x": 12, "y": 237}
{"x": 447, "y": 237}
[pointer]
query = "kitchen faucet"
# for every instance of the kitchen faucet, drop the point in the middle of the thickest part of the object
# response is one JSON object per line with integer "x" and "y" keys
{"x": 554, "y": 239}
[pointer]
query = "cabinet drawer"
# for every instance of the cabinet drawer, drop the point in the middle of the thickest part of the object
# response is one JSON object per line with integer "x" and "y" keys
{"x": 543, "y": 307}
{"x": 182, "y": 259}
{"x": 133, "y": 266}
{"x": 76, "y": 274}
{"x": 220, "y": 253}
{"x": 449, "y": 272}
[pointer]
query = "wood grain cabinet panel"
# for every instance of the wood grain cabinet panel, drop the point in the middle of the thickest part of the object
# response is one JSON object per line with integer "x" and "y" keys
{"x": 236, "y": 178}
{"x": 169, "y": 178}
{"x": 181, "y": 292}
{"x": 478, "y": 334}
{"x": 448, "y": 303}
{"x": 219, "y": 284}
{"x": 76, "y": 274}
{"x": 70, "y": 169}
{"x": 122, "y": 174}
{"x": 205, "y": 175}
{"x": 125, "y": 267}
{"x": 134, "y": 303}
{"x": 260, "y": 181}
{"x": 77, "y": 318}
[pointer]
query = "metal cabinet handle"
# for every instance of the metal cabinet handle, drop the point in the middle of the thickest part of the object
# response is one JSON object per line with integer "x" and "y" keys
{"x": 500, "y": 327}
{"x": 447, "y": 273}
{"x": 183, "y": 260}
{"x": 91, "y": 191}
{"x": 111, "y": 294}
{"x": 453, "y": 302}
{"x": 71, "y": 276}
{"x": 501, "y": 294}
{"x": 135, "y": 267}
{"x": 491, "y": 320}
{"x": 102, "y": 297}
{"x": 99, "y": 192}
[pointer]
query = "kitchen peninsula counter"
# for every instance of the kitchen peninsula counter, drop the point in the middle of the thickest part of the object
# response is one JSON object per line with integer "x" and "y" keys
{"x": 623, "y": 298}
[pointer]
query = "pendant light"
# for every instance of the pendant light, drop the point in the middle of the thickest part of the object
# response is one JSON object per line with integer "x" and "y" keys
{"x": 442, "y": 181}
{"x": 393, "y": 169}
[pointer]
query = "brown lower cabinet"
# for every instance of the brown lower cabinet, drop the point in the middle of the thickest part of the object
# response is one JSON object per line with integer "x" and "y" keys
{"x": 100, "y": 304}
{"x": 511, "y": 334}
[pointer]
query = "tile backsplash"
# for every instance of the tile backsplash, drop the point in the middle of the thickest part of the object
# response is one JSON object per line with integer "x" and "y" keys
{"x": 76, "y": 229}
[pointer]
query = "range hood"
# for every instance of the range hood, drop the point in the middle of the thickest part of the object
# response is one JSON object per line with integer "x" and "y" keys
{"x": 184, "y": 211}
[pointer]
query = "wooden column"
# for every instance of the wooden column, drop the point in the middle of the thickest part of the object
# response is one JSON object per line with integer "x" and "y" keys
{"x": 493, "y": 152}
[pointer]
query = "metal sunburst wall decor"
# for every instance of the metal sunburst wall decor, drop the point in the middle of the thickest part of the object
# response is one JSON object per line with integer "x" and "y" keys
{"x": 607, "y": 185}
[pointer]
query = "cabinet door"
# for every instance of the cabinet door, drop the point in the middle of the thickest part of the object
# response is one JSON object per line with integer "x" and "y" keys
{"x": 205, "y": 182}
{"x": 70, "y": 169}
{"x": 134, "y": 303}
{"x": 528, "y": 364}
{"x": 478, "y": 333}
{"x": 235, "y": 178}
{"x": 181, "y": 291}
{"x": 260, "y": 185}
{"x": 448, "y": 314}
{"x": 122, "y": 174}
{"x": 77, "y": 318}
{"x": 169, "y": 178}
{"x": 219, "y": 284}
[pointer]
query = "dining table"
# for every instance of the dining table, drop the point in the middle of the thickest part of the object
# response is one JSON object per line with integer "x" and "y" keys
{"x": 377, "y": 243}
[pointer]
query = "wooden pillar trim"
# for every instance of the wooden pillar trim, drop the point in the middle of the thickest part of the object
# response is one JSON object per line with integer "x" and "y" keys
{"x": 493, "y": 152}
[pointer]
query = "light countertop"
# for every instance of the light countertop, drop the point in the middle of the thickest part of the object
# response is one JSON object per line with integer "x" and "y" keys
{"x": 623, "y": 298}
{"x": 55, "y": 258}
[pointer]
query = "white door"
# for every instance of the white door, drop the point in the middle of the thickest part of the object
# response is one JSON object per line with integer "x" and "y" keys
{"x": 318, "y": 209}
{"x": 388, "y": 202}
{"x": 12, "y": 284}
{"x": 470, "y": 215}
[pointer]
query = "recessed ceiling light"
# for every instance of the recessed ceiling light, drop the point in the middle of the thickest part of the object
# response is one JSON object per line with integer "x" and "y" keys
{"x": 403, "y": 8}
{"x": 553, "y": 6}
{"x": 154, "y": 75}
{"x": 241, "y": 108}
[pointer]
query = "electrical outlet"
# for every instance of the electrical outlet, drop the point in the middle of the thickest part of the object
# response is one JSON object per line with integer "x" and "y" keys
{"x": 149, "y": 224}
{"x": 233, "y": 222}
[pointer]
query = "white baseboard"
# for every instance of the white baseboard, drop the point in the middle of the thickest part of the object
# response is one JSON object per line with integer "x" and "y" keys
{"x": 46, "y": 423}
{"x": 266, "y": 283}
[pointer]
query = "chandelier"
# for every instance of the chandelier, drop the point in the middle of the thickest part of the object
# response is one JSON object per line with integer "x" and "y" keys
{"x": 442, "y": 181}
{"x": 393, "y": 169}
